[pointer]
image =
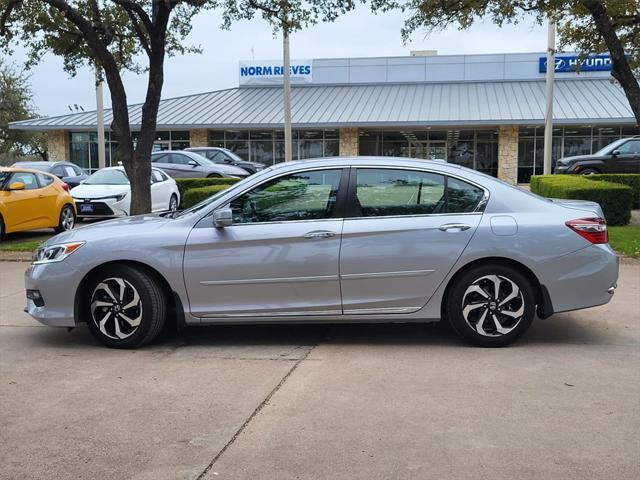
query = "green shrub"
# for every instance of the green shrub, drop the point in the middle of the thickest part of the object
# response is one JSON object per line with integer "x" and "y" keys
{"x": 630, "y": 179}
{"x": 196, "y": 195}
{"x": 614, "y": 198}
{"x": 185, "y": 184}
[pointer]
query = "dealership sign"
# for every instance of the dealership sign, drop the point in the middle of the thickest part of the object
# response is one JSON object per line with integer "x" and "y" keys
{"x": 271, "y": 72}
{"x": 572, "y": 63}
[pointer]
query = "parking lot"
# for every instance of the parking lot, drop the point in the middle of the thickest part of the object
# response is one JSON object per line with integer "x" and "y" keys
{"x": 323, "y": 401}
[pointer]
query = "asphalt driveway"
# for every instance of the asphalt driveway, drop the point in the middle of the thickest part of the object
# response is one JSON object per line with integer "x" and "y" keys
{"x": 323, "y": 402}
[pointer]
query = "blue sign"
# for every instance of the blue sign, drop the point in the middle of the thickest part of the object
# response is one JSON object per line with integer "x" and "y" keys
{"x": 271, "y": 72}
{"x": 572, "y": 63}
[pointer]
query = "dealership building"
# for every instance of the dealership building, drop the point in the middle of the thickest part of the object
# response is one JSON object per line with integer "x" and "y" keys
{"x": 481, "y": 111}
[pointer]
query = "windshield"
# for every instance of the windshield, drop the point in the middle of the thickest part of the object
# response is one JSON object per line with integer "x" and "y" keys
{"x": 108, "y": 177}
{"x": 233, "y": 156}
{"x": 608, "y": 148}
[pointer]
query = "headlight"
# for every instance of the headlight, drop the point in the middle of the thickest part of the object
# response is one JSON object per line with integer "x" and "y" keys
{"x": 117, "y": 198}
{"x": 54, "y": 253}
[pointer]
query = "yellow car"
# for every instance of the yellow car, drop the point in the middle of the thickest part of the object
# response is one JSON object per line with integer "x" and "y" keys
{"x": 30, "y": 199}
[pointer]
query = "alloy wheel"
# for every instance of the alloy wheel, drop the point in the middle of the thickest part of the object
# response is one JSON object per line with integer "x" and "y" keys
{"x": 67, "y": 219}
{"x": 493, "y": 305}
{"x": 116, "y": 308}
{"x": 173, "y": 204}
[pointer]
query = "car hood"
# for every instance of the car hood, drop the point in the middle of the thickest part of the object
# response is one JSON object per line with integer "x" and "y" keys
{"x": 98, "y": 191}
{"x": 119, "y": 227}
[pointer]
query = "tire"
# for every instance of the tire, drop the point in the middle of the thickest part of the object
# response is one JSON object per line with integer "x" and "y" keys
{"x": 589, "y": 171}
{"x": 173, "y": 203}
{"x": 1, "y": 228}
{"x": 67, "y": 219}
{"x": 476, "y": 288}
{"x": 135, "y": 320}
{"x": 214, "y": 175}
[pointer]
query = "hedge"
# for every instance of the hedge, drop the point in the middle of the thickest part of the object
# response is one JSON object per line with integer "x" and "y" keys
{"x": 630, "y": 179}
{"x": 196, "y": 195}
{"x": 615, "y": 199}
{"x": 185, "y": 184}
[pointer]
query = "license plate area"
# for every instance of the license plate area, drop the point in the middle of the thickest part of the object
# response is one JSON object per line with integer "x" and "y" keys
{"x": 86, "y": 208}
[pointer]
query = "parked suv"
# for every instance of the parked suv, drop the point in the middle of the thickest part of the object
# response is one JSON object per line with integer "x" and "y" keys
{"x": 621, "y": 156}
{"x": 183, "y": 164}
{"x": 68, "y": 172}
{"x": 224, "y": 156}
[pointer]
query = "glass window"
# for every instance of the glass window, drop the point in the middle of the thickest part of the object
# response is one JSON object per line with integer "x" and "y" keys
{"x": 629, "y": 148}
{"x": 45, "y": 180}
{"x": 180, "y": 135}
{"x": 70, "y": 171}
{"x": 160, "y": 158}
{"x": 155, "y": 176}
{"x": 382, "y": 192}
{"x": 179, "y": 159}
{"x": 299, "y": 196}
{"x": 462, "y": 197}
{"x": 29, "y": 180}
{"x": 58, "y": 171}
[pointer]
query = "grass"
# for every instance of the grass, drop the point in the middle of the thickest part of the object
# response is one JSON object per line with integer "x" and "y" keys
{"x": 21, "y": 246}
{"x": 625, "y": 240}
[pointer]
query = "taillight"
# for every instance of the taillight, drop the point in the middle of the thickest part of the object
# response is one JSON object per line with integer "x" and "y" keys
{"x": 65, "y": 187}
{"x": 593, "y": 229}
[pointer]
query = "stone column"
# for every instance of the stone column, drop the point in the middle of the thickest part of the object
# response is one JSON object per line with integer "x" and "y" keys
{"x": 508, "y": 153}
{"x": 349, "y": 141}
{"x": 199, "y": 137}
{"x": 58, "y": 145}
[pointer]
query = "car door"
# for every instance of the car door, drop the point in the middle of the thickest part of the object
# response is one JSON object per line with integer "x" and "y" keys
{"x": 47, "y": 201}
{"x": 163, "y": 162}
{"x": 180, "y": 164}
{"x": 279, "y": 258}
{"x": 23, "y": 210}
{"x": 403, "y": 233}
{"x": 627, "y": 159}
{"x": 159, "y": 195}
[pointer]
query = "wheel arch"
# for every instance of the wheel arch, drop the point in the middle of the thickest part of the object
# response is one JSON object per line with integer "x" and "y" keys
{"x": 544, "y": 307}
{"x": 174, "y": 304}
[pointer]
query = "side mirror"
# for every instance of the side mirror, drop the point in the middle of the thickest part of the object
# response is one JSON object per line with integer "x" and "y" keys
{"x": 193, "y": 163}
{"x": 223, "y": 217}
{"x": 615, "y": 153}
{"x": 17, "y": 186}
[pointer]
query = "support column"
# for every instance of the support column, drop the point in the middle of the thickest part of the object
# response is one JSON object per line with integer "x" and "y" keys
{"x": 349, "y": 138}
{"x": 58, "y": 145}
{"x": 508, "y": 153}
{"x": 199, "y": 137}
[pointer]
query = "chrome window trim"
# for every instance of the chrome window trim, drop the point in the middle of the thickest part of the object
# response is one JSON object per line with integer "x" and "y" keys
{"x": 479, "y": 210}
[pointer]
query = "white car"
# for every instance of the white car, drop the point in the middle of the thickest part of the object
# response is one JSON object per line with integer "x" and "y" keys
{"x": 107, "y": 193}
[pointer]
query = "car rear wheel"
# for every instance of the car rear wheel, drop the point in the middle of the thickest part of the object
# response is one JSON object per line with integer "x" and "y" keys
{"x": 126, "y": 307}
{"x": 67, "y": 219}
{"x": 173, "y": 203}
{"x": 491, "y": 305}
{"x": 589, "y": 171}
{"x": 1, "y": 228}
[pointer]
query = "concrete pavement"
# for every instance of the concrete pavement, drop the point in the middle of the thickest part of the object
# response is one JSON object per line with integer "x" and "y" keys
{"x": 323, "y": 402}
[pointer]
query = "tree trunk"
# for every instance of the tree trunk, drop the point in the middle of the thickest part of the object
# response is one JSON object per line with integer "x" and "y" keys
{"x": 621, "y": 69}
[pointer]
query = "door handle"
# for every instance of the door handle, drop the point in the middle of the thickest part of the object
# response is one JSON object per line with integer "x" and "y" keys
{"x": 320, "y": 234}
{"x": 454, "y": 227}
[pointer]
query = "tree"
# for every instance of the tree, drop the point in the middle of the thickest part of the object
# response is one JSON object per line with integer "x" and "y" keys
{"x": 591, "y": 26}
{"x": 112, "y": 36}
{"x": 16, "y": 104}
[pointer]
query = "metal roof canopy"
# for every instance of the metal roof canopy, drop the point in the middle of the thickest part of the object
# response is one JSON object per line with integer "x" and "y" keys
{"x": 585, "y": 101}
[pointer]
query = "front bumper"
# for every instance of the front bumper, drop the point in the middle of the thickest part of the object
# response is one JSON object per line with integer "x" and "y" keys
{"x": 105, "y": 208}
{"x": 57, "y": 283}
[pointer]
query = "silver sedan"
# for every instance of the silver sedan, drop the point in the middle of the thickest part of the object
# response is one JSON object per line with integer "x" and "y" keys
{"x": 333, "y": 240}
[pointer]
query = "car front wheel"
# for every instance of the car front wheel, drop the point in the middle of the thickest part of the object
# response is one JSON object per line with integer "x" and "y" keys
{"x": 491, "y": 305}
{"x": 173, "y": 203}
{"x": 126, "y": 307}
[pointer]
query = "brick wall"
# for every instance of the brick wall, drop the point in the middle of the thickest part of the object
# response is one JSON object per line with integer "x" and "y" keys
{"x": 58, "y": 145}
{"x": 508, "y": 153}
{"x": 349, "y": 142}
{"x": 199, "y": 138}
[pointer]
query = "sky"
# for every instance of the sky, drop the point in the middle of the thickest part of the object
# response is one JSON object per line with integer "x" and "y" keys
{"x": 356, "y": 34}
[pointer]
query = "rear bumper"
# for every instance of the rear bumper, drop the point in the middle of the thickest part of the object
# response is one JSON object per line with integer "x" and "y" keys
{"x": 582, "y": 279}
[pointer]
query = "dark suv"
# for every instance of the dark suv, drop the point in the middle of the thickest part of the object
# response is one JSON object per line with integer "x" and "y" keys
{"x": 222, "y": 155}
{"x": 68, "y": 172}
{"x": 621, "y": 156}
